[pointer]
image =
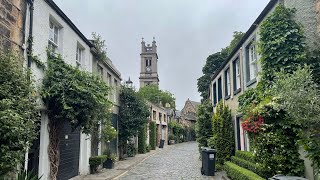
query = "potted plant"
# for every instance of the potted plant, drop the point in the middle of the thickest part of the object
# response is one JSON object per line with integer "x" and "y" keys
{"x": 171, "y": 139}
{"x": 109, "y": 163}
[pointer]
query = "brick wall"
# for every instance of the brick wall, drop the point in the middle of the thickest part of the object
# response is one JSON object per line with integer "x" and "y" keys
{"x": 12, "y": 20}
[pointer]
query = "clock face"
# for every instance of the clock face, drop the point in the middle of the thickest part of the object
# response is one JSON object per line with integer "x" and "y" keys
{"x": 148, "y": 69}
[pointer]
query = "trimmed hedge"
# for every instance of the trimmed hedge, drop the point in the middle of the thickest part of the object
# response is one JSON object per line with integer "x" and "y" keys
{"x": 95, "y": 161}
{"x": 142, "y": 146}
{"x": 152, "y": 135}
{"x": 246, "y": 156}
{"x": 248, "y": 165}
{"x": 238, "y": 173}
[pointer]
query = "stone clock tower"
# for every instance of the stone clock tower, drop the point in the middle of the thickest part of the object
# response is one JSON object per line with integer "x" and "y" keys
{"x": 149, "y": 64}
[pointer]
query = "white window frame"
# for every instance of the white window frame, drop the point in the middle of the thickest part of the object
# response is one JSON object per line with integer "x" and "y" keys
{"x": 228, "y": 82}
{"x": 100, "y": 70}
{"x": 53, "y": 39}
{"x": 79, "y": 56}
{"x": 238, "y": 74}
{"x": 252, "y": 60}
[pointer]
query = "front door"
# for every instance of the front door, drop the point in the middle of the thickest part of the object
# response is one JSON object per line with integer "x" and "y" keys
{"x": 69, "y": 152}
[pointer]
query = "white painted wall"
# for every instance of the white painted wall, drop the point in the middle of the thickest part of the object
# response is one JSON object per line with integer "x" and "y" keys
{"x": 68, "y": 40}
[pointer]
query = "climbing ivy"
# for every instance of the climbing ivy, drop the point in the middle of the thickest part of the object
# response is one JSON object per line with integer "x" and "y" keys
{"x": 74, "y": 96}
{"x": 283, "y": 49}
{"x": 282, "y": 43}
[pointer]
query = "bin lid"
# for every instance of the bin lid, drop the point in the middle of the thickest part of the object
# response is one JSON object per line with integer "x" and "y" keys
{"x": 206, "y": 149}
{"x": 283, "y": 177}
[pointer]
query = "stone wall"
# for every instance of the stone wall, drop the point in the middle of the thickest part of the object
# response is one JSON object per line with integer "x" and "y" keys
{"x": 12, "y": 22}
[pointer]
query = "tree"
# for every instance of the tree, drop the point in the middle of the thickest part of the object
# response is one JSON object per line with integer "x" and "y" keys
{"x": 223, "y": 135}
{"x": 204, "y": 123}
{"x": 213, "y": 63}
{"x": 133, "y": 115}
{"x": 155, "y": 95}
{"x": 19, "y": 113}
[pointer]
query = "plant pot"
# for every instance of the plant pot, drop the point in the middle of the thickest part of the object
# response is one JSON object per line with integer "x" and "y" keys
{"x": 108, "y": 164}
{"x": 171, "y": 142}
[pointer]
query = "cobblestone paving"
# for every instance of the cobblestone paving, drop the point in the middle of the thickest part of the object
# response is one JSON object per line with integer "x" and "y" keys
{"x": 178, "y": 162}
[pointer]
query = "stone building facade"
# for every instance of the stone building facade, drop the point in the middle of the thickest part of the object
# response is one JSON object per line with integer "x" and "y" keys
{"x": 13, "y": 16}
{"x": 188, "y": 113}
{"x": 160, "y": 117}
{"x": 240, "y": 71}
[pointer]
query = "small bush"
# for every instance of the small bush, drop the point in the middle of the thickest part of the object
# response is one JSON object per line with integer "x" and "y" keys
{"x": 238, "y": 173}
{"x": 256, "y": 168}
{"x": 148, "y": 148}
{"x": 132, "y": 150}
{"x": 95, "y": 161}
{"x": 249, "y": 156}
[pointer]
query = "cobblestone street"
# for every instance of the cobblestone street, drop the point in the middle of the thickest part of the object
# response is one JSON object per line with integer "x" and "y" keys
{"x": 179, "y": 162}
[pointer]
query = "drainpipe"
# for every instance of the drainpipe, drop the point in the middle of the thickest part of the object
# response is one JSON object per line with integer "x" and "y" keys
{"x": 30, "y": 38}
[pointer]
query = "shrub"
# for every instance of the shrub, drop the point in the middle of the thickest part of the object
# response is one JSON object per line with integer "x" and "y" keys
{"x": 131, "y": 150}
{"x": 95, "y": 161}
{"x": 246, "y": 155}
{"x": 238, "y": 173}
{"x": 142, "y": 140}
{"x": 223, "y": 134}
{"x": 148, "y": 148}
{"x": 203, "y": 126}
{"x": 152, "y": 135}
{"x": 254, "y": 167}
{"x": 19, "y": 113}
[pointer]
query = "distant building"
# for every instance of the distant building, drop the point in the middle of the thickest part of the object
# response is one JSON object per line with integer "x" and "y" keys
{"x": 149, "y": 64}
{"x": 160, "y": 117}
{"x": 188, "y": 113}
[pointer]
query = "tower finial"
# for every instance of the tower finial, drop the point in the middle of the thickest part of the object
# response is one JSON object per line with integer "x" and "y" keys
{"x": 154, "y": 39}
{"x": 142, "y": 39}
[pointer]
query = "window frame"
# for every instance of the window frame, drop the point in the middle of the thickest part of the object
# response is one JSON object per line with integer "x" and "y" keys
{"x": 251, "y": 56}
{"x": 214, "y": 93}
{"x": 219, "y": 89}
{"x": 99, "y": 70}
{"x": 54, "y": 36}
{"x": 79, "y": 55}
{"x": 227, "y": 83}
{"x": 236, "y": 66}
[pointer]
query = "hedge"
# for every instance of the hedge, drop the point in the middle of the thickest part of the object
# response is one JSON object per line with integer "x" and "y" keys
{"x": 238, "y": 173}
{"x": 95, "y": 161}
{"x": 152, "y": 135}
{"x": 247, "y": 165}
{"x": 249, "y": 156}
{"x": 142, "y": 146}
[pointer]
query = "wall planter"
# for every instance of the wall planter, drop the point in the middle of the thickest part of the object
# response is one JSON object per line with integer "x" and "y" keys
{"x": 108, "y": 164}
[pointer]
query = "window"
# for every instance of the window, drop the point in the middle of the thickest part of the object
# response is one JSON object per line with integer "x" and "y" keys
{"x": 154, "y": 115}
{"x": 109, "y": 79}
{"x": 53, "y": 37}
{"x": 251, "y": 60}
{"x": 227, "y": 83}
{"x": 219, "y": 89}
{"x": 160, "y": 117}
{"x": 214, "y": 91}
{"x": 236, "y": 76}
{"x": 115, "y": 90}
{"x": 79, "y": 56}
{"x": 164, "y": 118}
{"x": 148, "y": 62}
{"x": 99, "y": 70}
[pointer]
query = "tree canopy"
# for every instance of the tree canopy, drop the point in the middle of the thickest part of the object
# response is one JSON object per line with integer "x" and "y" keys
{"x": 213, "y": 63}
{"x": 155, "y": 95}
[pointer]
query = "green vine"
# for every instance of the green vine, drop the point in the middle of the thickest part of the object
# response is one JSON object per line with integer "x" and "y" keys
{"x": 283, "y": 49}
{"x": 74, "y": 96}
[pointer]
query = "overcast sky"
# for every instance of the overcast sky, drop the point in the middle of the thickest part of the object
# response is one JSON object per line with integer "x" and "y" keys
{"x": 186, "y": 31}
